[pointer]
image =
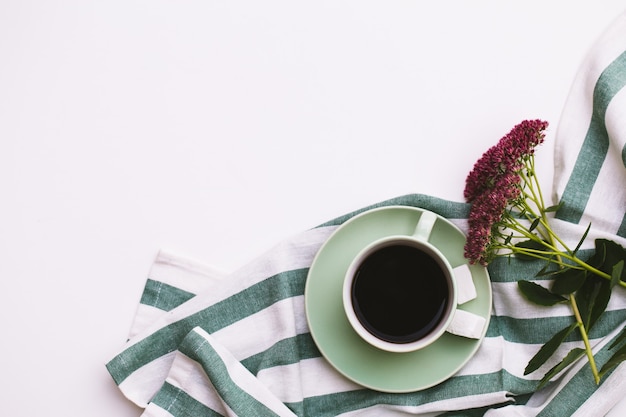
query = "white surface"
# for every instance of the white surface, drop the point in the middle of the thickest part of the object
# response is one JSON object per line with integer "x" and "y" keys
{"x": 215, "y": 129}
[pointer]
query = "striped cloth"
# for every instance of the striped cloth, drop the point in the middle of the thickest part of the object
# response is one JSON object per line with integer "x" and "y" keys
{"x": 207, "y": 343}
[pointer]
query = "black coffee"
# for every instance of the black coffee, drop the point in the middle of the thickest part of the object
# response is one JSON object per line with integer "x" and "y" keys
{"x": 399, "y": 293}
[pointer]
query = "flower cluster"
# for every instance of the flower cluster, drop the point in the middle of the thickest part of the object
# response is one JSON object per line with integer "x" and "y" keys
{"x": 495, "y": 183}
{"x": 508, "y": 217}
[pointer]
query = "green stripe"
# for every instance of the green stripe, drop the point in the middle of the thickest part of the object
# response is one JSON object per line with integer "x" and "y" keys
{"x": 285, "y": 352}
{"x": 238, "y": 399}
{"x": 595, "y": 145}
{"x": 163, "y": 296}
{"x": 540, "y": 330}
{"x": 445, "y": 208}
{"x": 456, "y": 387}
{"x": 224, "y": 313}
{"x": 513, "y": 269}
{"x": 180, "y": 404}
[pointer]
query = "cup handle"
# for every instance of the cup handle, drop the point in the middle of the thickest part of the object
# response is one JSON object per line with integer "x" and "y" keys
{"x": 425, "y": 225}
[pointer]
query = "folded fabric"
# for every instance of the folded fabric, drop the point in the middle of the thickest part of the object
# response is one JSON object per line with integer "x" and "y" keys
{"x": 206, "y": 343}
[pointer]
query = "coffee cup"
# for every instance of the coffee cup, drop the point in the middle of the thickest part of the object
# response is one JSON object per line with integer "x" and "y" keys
{"x": 399, "y": 292}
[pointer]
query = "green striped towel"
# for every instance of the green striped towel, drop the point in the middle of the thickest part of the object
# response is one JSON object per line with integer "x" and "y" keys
{"x": 207, "y": 343}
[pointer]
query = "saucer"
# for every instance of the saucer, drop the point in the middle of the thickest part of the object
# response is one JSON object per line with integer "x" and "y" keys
{"x": 340, "y": 344}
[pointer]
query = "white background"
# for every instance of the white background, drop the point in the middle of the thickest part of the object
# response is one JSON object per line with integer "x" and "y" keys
{"x": 215, "y": 129}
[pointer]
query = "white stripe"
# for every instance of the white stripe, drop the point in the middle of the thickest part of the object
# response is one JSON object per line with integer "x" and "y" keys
{"x": 577, "y": 112}
{"x": 606, "y": 205}
{"x": 616, "y": 122}
{"x": 611, "y": 391}
{"x": 487, "y": 359}
{"x": 572, "y": 233}
{"x": 141, "y": 385}
{"x": 433, "y": 408}
{"x": 496, "y": 354}
{"x": 606, "y": 396}
{"x": 508, "y": 301}
{"x": 265, "y": 328}
{"x": 305, "y": 379}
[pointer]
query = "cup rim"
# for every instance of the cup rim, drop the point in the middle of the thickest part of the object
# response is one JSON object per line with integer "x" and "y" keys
{"x": 366, "y": 334}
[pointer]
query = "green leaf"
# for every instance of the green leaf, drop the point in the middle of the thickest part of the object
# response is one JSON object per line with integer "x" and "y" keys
{"x": 616, "y": 273}
{"x": 538, "y": 294}
{"x": 553, "y": 208}
{"x": 618, "y": 357}
{"x": 528, "y": 244}
{"x": 570, "y": 358}
{"x": 619, "y": 339}
{"x": 599, "y": 256}
{"x": 548, "y": 349}
{"x": 569, "y": 281}
{"x": 613, "y": 254}
{"x": 582, "y": 239}
{"x": 534, "y": 224}
{"x": 549, "y": 270}
{"x": 592, "y": 299}
{"x": 600, "y": 303}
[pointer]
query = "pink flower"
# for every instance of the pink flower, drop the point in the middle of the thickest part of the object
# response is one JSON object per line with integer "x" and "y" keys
{"x": 507, "y": 156}
{"x": 495, "y": 184}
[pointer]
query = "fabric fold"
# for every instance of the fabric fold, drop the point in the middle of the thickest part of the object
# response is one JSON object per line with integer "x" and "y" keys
{"x": 202, "y": 367}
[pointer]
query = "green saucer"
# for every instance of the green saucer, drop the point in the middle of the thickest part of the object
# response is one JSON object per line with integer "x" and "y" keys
{"x": 339, "y": 343}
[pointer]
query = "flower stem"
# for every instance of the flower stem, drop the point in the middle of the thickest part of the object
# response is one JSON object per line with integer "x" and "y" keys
{"x": 583, "y": 333}
{"x": 572, "y": 301}
{"x": 569, "y": 255}
{"x": 550, "y": 237}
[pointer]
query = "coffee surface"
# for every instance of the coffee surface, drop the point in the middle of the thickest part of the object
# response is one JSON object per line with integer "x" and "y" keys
{"x": 399, "y": 293}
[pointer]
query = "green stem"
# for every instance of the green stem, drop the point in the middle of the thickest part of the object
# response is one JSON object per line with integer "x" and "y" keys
{"x": 536, "y": 181}
{"x": 552, "y": 252}
{"x": 546, "y": 231}
{"x": 554, "y": 236}
{"x": 542, "y": 255}
{"x": 583, "y": 333}
{"x": 572, "y": 300}
{"x": 569, "y": 254}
